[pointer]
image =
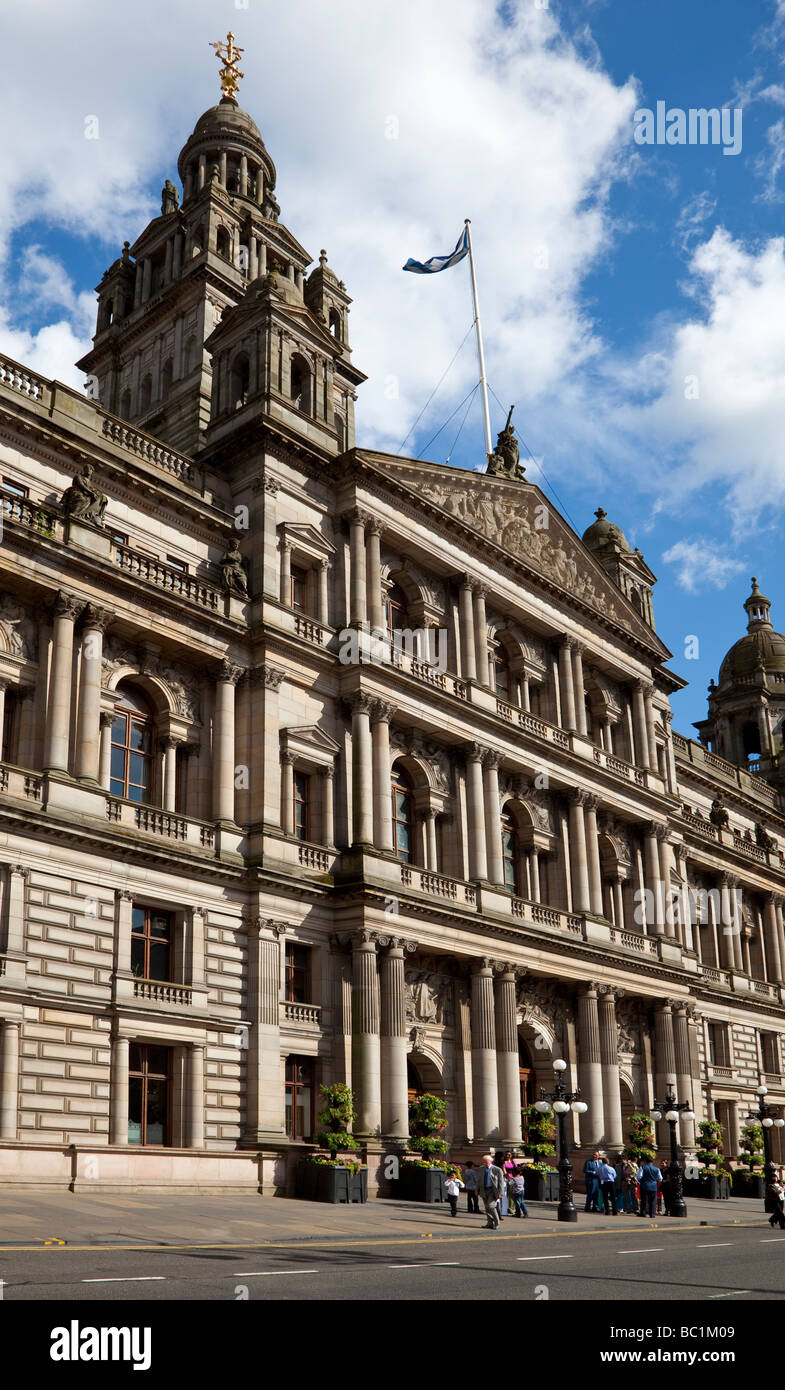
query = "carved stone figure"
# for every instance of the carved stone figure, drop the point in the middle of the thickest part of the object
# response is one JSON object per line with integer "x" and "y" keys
{"x": 503, "y": 462}
{"x": 718, "y": 814}
{"x": 426, "y": 997}
{"x": 83, "y": 499}
{"x": 169, "y": 198}
{"x": 763, "y": 838}
{"x": 235, "y": 580}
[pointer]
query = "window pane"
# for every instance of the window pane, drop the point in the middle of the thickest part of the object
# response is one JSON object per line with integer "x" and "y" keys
{"x": 138, "y": 737}
{"x": 303, "y": 1112}
{"x": 159, "y": 925}
{"x": 158, "y": 1061}
{"x": 137, "y": 956}
{"x": 156, "y": 1112}
{"x": 117, "y": 764}
{"x": 136, "y": 794}
{"x": 118, "y": 730}
{"x": 135, "y": 1090}
{"x": 137, "y": 769}
{"x": 135, "y": 1054}
{"x": 117, "y": 788}
{"x": 159, "y": 961}
{"x": 288, "y": 1103}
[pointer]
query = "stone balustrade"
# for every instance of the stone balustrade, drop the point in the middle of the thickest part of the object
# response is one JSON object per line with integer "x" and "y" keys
{"x": 20, "y": 379}
{"x": 164, "y": 824}
{"x": 146, "y": 447}
{"x": 152, "y": 571}
{"x": 308, "y": 1015}
{"x": 20, "y": 511}
{"x": 163, "y": 992}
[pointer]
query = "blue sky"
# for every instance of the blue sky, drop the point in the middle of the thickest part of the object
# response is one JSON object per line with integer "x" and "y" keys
{"x": 633, "y": 296}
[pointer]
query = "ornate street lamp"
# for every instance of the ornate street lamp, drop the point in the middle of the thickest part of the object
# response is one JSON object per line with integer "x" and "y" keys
{"x": 563, "y": 1101}
{"x": 672, "y": 1108}
{"x": 764, "y": 1117}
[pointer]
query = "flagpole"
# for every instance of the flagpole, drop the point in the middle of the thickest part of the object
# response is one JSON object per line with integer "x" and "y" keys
{"x": 480, "y": 352}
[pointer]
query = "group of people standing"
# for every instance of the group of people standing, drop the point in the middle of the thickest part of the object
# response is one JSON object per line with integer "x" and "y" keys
{"x": 630, "y": 1186}
{"x": 500, "y": 1183}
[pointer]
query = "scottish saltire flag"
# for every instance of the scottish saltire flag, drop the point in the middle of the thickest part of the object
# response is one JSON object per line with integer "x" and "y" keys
{"x": 441, "y": 262}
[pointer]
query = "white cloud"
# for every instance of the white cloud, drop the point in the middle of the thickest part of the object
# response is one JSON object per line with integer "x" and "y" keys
{"x": 700, "y": 564}
{"x": 690, "y": 223}
{"x": 770, "y": 162}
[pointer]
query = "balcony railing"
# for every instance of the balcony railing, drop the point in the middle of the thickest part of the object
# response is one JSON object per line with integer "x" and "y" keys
{"x": 309, "y": 629}
{"x": 23, "y": 512}
{"x": 16, "y": 781}
{"x": 633, "y": 941}
{"x": 152, "y": 571}
{"x": 703, "y": 827}
{"x": 717, "y": 977}
{"x": 723, "y": 1073}
{"x": 19, "y": 379}
{"x": 155, "y": 821}
{"x": 304, "y": 1014}
{"x": 617, "y": 765}
{"x": 748, "y": 847}
{"x": 150, "y": 449}
{"x": 437, "y": 885}
{"x": 161, "y": 992}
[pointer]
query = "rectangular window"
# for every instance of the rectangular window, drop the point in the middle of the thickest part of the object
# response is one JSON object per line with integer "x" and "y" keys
{"x": 298, "y": 1094}
{"x": 151, "y": 943}
{"x": 299, "y": 599}
{"x": 719, "y": 1048}
{"x": 302, "y": 806}
{"x": 16, "y": 489}
{"x": 10, "y": 723}
{"x": 175, "y": 564}
{"x": 298, "y": 974}
{"x": 770, "y": 1053}
{"x": 149, "y": 1072}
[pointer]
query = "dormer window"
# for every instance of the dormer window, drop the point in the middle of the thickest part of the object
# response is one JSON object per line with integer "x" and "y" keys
{"x": 336, "y": 325}
{"x": 223, "y": 243}
{"x": 300, "y": 385}
{"x": 240, "y": 382}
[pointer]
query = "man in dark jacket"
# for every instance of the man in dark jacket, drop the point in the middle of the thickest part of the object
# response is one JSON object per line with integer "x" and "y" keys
{"x": 649, "y": 1176}
{"x": 591, "y": 1172}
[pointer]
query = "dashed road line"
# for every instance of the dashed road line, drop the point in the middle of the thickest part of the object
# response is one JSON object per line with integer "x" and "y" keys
{"x": 267, "y": 1273}
{"x": 128, "y": 1279}
{"x": 713, "y": 1244}
{"x": 546, "y": 1257}
{"x": 732, "y": 1293}
{"x": 643, "y": 1250}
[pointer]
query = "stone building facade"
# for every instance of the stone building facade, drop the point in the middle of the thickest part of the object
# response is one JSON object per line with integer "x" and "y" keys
{"x": 320, "y": 764}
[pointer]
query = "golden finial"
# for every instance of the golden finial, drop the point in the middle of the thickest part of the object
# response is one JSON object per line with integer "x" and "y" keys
{"x": 230, "y": 73}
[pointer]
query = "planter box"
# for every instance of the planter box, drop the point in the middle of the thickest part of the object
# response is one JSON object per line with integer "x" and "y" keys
{"x": 541, "y": 1187}
{"x": 714, "y": 1189}
{"x": 754, "y": 1186}
{"x": 420, "y": 1184}
{"x": 317, "y": 1182}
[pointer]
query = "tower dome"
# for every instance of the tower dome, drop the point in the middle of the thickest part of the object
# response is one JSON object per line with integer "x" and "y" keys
{"x": 762, "y": 649}
{"x": 603, "y": 535}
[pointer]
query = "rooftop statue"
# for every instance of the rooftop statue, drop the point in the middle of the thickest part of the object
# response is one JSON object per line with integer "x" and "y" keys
{"x": 503, "y": 462}
{"x": 235, "y": 580}
{"x": 169, "y": 198}
{"x": 83, "y": 499}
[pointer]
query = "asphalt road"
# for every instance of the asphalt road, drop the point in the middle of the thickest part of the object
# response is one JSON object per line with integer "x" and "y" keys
{"x": 631, "y": 1260}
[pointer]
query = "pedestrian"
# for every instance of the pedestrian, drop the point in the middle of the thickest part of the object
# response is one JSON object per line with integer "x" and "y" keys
{"x": 453, "y": 1187}
{"x": 659, "y": 1189}
{"x": 607, "y": 1185}
{"x": 501, "y": 1205}
{"x": 775, "y": 1195}
{"x": 630, "y": 1172}
{"x": 667, "y": 1190}
{"x": 649, "y": 1177}
{"x": 470, "y": 1185}
{"x": 518, "y": 1192}
{"x": 491, "y": 1184}
{"x": 591, "y": 1172}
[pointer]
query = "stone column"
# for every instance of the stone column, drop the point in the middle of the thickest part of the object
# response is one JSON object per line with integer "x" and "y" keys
{"x": 9, "y": 1078}
{"x": 264, "y": 1085}
{"x": 118, "y": 1105}
{"x": 507, "y": 1063}
{"x": 366, "y": 1059}
{"x": 464, "y": 1123}
{"x": 481, "y": 634}
{"x": 58, "y": 713}
{"x": 681, "y": 1045}
{"x": 618, "y": 900}
{"x": 324, "y": 598}
{"x": 642, "y": 755}
{"x": 651, "y": 847}
{"x": 590, "y": 1067}
{"x": 566, "y": 687}
{"x": 493, "y": 828}
{"x": 432, "y": 856}
{"x": 664, "y": 1059}
{"x": 730, "y": 934}
{"x": 485, "y": 1085}
{"x": 534, "y": 874}
{"x": 394, "y": 1071}
{"x": 18, "y": 875}
{"x": 287, "y": 792}
{"x": 734, "y": 1129}
{"x": 773, "y": 960}
{"x": 669, "y": 907}
{"x": 328, "y": 806}
{"x": 578, "y": 688}
{"x": 361, "y": 706}
{"x": 357, "y": 562}
{"x": 648, "y": 705}
{"x": 466, "y": 619}
{"x": 105, "y": 765}
{"x": 593, "y": 855}
{"x": 374, "y": 576}
{"x": 609, "y": 1060}
{"x": 381, "y": 715}
{"x": 170, "y": 747}
{"x": 286, "y": 574}
{"x": 196, "y": 1096}
{"x": 581, "y": 898}
{"x": 3, "y": 688}
{"x": 475, "y": 809}
{"x": 223, "y": 743}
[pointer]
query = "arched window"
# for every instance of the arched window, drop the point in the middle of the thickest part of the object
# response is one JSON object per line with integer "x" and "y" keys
{"x": 750, "y": 737}
{"x": 503, "y": 679}
{"x": 336, "y": 324}
{"x": 166, "y": 378}
{"x": 240, "y": 380}
{"x": 131, "y": 772}
{"x": 413, "y": 1083}
{"x": 198, "y": 240}
{"x": 145, "y": 394}
{"x": 402, "y": 814}
{"x": 300, "y": 384}
{"x": 8, "y": 753}
{"x": 396, "y": 611}
{"x": 223, "y": 244}
{"x": 340, "y": 430}
{"x": 511, "y": 854}
{"x": 526, "y": 1075}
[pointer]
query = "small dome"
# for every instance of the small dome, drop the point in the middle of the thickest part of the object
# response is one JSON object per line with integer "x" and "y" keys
{"x": 761, "y": 649}
{"x": 226, "y": 118}
{"x": 602, "y": 534}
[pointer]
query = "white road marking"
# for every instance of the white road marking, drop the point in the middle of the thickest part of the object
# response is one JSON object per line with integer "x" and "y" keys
{"x": 771, "y": 1240}
{"x": 262, "y": 1273}
{"x": 714, "y": 1244}
{"x": 545, "y": 1257}
{"x": 643, "y": 1250}
{"x": 127, "y": 1279}
{"x": 730, "y": 1294}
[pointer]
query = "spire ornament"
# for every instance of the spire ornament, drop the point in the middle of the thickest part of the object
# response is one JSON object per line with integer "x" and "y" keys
{"x": 230, "y": 73}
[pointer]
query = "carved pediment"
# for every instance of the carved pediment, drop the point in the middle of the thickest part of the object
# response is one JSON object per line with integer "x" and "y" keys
{"x": 517, "y": 517}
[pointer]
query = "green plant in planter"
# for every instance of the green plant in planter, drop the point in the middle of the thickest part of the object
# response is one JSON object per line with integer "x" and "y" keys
{"x": 540, "y": 1139}
{"x": 640, "y": 1134}
{"x": 752, "y": 1144}
{"x": 319, "y": 1161}
{"x": 427, "y": 1116}
{"x": 337, "y": 1113}
{"x": 710, "y": 1152}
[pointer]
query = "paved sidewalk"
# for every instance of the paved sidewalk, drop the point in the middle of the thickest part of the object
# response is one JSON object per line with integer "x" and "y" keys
{"x": 29, "y": 1218}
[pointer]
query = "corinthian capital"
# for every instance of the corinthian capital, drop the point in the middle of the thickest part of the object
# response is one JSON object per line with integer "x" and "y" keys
{"x": 67, "y": 605}
{"x": 229, "y": 674}
{"x": 360, "y": 702}
{"x": 95, "y": 618}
